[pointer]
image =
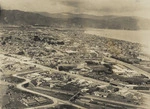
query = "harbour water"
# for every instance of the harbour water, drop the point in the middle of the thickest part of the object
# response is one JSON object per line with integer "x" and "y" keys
{"x": 138, "y": 36}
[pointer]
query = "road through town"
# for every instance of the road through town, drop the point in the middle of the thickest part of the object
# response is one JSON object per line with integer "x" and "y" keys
{"x": 130, "y": 66}
{"x": 55, "y": 100}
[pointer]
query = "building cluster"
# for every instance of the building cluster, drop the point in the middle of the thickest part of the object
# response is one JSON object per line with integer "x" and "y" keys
{"x": 72, "y": 52}
{"x": 15, "y": 98}
{"x": 64, "y": 83}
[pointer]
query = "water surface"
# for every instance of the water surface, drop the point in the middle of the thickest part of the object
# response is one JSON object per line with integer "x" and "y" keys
{"x": 140, "y": 36}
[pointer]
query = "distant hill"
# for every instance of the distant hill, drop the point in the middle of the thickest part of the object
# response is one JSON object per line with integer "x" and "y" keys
{"x": 73, "y": 20}
{"x": 23, "y": 18}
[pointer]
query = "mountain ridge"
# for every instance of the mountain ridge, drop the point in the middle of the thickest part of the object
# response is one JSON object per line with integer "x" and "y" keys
{"x": 17, "y": 17}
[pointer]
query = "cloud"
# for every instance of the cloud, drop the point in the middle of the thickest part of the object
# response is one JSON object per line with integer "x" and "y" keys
{"x": 72, "y": 3}
{"x": 104, "y": 6}
{"x": 52, "y": 6}
{"x": 96, "y": 7}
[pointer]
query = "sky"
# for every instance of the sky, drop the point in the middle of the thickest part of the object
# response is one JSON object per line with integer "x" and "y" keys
{"x": 94, "y": 7}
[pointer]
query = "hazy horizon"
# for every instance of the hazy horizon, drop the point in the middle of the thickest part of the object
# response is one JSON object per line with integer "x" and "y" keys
{"x": 92, "y": 7}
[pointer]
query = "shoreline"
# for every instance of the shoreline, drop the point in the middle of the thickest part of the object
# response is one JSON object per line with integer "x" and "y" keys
{"x": 125, "y": 35}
